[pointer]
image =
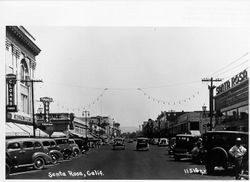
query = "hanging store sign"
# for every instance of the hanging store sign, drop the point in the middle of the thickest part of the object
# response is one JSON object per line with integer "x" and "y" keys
{"x": 11, "y": 81}
{"x": 242, "y": 76}
{"x": 46, "y": 101}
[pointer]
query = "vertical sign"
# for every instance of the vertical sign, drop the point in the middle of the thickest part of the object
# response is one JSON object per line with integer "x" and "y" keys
{"x": 11, "y": 81}
{"x": 46, "y": 101}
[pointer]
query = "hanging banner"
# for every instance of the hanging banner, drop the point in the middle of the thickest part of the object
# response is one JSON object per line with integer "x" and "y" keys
{"x": 11, "y": 82}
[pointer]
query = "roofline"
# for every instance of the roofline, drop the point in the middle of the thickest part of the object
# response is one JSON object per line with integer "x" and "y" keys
{"x": 20, "y": 34}
{"x": 227, "y": 132}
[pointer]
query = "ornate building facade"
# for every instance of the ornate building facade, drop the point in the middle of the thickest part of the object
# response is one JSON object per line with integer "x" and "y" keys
{"x": 20, "y": 62}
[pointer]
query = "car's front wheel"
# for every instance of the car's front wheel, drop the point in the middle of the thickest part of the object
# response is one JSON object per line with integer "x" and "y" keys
{"x": 76, "y": 153}
{"x": 39, "y": 163}
{"x": 54, "y": 158}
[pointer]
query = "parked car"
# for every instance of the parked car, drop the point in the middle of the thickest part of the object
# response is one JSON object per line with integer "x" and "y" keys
{"x": 163, "y": 142}
{"x": 74, "y": 147}
{"x": 172, "y": 143}
{"x": 216, "y": 145}
{"x": 64, "y": 147}
{"x": 142, "y": 144}
{"x": 155, "y": 141}
{"x": 130, "y": 140}
{"x": 22, "y": 152}
{"x": 184, "y": 145}
{"x": 119, "y": 143}
{"x": 54, "y": 150}
{"x": 82, "y": 144}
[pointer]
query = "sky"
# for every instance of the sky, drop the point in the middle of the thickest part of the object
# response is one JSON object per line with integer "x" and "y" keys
{"x": 133, "y": 73}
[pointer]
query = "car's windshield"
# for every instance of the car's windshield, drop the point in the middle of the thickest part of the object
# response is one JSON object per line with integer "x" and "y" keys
{"x": 142, "y": 141}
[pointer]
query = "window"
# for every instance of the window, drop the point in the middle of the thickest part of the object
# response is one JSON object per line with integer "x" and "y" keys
{"x": 46, "y": 143}
{"x": 232, "y": 115}
{"x": 28, "y": 145}
{"x": 194, "y": 126}
{"x": 15, "y": 145}
{"x": 24, "y": 72}
{"x": 24, "y": 103}
{"x": 38, "y": 145}
{"x": 52, "y": 144}
{"x": 243, "y": 112}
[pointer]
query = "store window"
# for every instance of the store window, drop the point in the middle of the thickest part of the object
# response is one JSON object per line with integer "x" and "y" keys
{"x": 194, "y": 126}
{"x": 243, "y": 112}
{"x": 232, "y": 115}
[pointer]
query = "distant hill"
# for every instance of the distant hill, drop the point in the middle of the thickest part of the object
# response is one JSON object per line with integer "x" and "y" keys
{"x": 129, "y": 129}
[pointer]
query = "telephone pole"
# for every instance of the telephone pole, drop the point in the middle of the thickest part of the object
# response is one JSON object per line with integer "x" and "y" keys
{"x": 211, "y": 97}
{"x": 33, "y": 109}
{"x": 86, "y": 114}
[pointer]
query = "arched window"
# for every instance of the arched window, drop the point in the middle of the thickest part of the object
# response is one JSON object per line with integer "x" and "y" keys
{"x": 24, "y": 71}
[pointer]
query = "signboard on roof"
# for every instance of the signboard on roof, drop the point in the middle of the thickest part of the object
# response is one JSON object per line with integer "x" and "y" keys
{"x": 240, "y": 77}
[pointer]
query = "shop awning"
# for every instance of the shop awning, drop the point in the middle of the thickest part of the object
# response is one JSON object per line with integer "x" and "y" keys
{"x": 29, "y": 129}
{"x": 58, "y": 134}
{"x": 195, "y": 132}
{"x": 11, "y": 129}
{"x": 75, "y": 134}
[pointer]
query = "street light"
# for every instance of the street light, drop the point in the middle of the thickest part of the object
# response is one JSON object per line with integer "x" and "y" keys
{"x": 204, "y": 108}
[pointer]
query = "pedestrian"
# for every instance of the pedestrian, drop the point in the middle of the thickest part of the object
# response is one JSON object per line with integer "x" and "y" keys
{"x": 237, "y": 152}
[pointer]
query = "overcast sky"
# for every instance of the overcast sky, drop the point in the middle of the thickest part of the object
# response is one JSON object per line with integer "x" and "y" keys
{"x": 78, "y": 63}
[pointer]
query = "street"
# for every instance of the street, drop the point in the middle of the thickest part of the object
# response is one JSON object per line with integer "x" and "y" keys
{"x": 104, "y": 163}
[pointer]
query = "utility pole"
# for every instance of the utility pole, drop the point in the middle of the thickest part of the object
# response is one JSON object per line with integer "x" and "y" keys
{"x": 86, "y": 114}
{"x": 211, "y": 97}
{"x": 33, "y": 107}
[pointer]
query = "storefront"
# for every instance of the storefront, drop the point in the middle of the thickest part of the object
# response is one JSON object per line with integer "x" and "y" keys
{"x": 232, "y": 103}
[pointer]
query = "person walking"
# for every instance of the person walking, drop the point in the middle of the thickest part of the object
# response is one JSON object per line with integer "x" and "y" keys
{"x": 237, "y": 152}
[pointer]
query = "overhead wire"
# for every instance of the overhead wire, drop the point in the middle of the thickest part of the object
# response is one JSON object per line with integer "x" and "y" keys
{"x": 231, "y": 63}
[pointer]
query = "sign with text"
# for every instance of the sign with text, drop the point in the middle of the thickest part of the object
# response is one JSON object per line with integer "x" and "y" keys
{"x": 46, "y": 101}
{"x": 233, "y": 82}
{"x": 11, "y": 81}
{"x": 59, "y": 116}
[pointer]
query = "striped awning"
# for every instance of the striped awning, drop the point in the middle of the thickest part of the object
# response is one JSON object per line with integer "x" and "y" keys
{"x": 11, "y": 129}
{"x": 17, "y": 129}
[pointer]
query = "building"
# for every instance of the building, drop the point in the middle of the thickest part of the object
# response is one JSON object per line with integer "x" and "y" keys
{"x": 20, "y": 64}
{"x": 191, "y": 122}
{"x": 232, "y": 103}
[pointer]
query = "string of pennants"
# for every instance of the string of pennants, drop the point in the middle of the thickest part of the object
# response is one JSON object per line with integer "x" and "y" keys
{"x": 89, "y": 105}
{"x": 159, "y": 101}
{"x": 148, "y": 96}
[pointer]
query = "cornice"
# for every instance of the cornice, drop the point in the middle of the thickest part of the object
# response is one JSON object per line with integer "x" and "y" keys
{"x": 24, "y": 39}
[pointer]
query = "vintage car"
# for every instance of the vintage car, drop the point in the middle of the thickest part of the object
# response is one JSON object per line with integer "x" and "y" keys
{"x": 163, "y": 142}
{"x": 142, "y": 144}
{"x": 82, "y": 144}
{"x": 64, "y": 147}
{"x": 22, "y": 152}
{"x": 184, "y": 145}
{"x": 74, "y": 147}
{"x": 130, "y": 140}
{"x": 119, "y": 143}
{"x": 54, "y": 150}
{"x": 216, "y": 145}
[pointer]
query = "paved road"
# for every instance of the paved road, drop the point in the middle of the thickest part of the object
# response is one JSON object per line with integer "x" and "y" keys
{"x": 105, "y": 163}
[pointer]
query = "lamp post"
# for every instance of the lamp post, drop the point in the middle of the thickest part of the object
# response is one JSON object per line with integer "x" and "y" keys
{"x": 86, "y": 114}
{"x": 204, "y": 108}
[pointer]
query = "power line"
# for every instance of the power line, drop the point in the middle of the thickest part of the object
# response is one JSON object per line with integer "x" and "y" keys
{"x": 232, "y": 68}
{"x": 227, "y": 77}
{"x": 229, "y": 64}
